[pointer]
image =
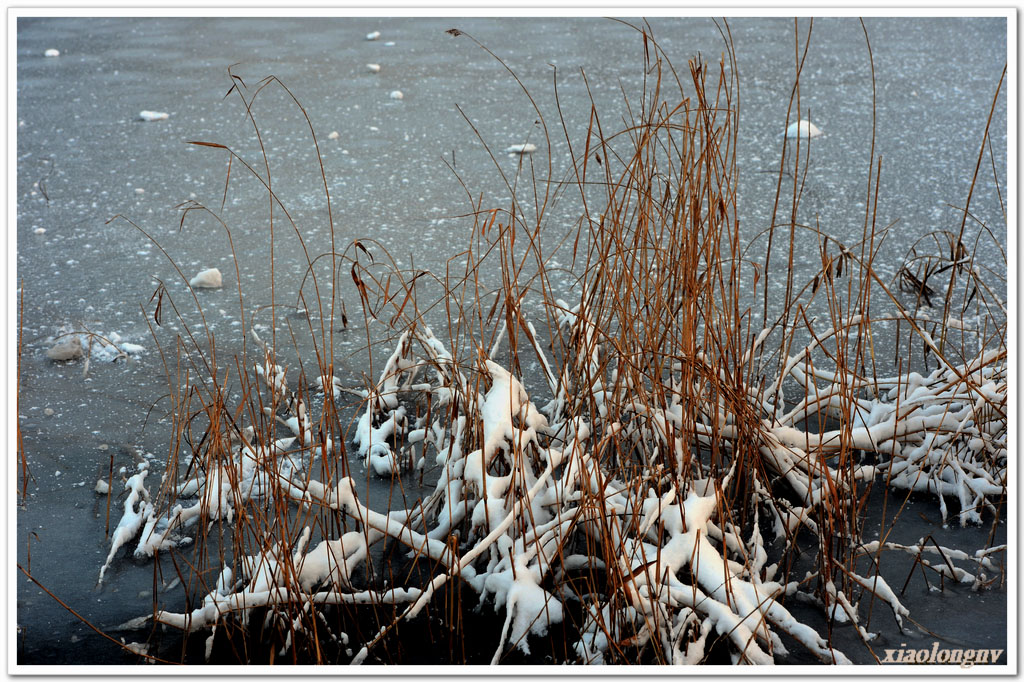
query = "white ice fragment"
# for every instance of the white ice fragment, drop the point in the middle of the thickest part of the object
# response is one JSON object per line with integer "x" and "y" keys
{"x": 396, "y": 94}
{"x": 68, "y": 349}
{"x": 333, "y": 135}
{"x": 373, "y": 36}
{"x": 802, "y": 128}
{"x": 52, "y": 53}
{"x": 383, "y": 460}
{"x": 374, "y": 68}
{"x": 335, "y": 384}
{"x": 39, "y": 230}
{"x": 527, "y": 148}
{"x": 147, "y": 115}
{"x": 139, "y": 190}
{"x": 133, "y": 624}
{"x": 207, "y": 279}
{"x": 332, "y": 559}
{"x": 136, "y": 647}
{"x": 877, "y": 585}
{"x": 529, "y": 607}
{"x": 102, "y": 487}
{"x": 136, "y": 509}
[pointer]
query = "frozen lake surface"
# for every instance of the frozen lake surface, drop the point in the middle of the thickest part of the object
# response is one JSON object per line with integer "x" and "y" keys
{"x": 83, "y": 156}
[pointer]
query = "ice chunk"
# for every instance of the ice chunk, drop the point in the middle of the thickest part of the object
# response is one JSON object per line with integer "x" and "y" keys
{"x": 373, "y": 36}
{"x": 137, "y": 508}
{"x": 396, "y": 94}
{"x": 136, "y": 647}
{"x": 147, "y": 115}
{"x": 52, "y": 53}
{"x": 527, "y": 148}
{"x": 383, "y": 460}
{"x": 68, "y": 349}
{"x": 207, "y": 279}
{"x": 802, "y": 128}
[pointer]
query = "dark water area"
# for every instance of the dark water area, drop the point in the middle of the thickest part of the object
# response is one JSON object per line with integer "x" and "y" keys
{"x": 83, "y": 157}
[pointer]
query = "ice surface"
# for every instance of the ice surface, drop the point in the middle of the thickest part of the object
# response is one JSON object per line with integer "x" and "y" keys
{"x": 917, "y": 167}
